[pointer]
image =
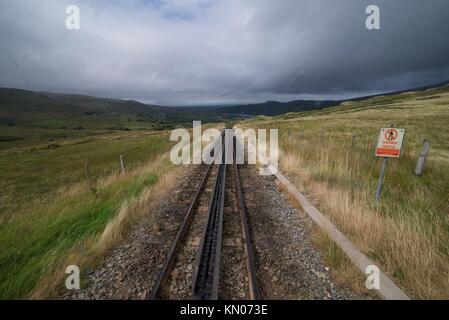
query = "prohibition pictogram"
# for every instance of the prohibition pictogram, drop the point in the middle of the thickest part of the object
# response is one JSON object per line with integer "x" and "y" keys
{"x": 391, "y": 135}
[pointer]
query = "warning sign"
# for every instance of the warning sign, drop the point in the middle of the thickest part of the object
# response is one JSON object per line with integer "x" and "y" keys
{"x": 390, "y": 141}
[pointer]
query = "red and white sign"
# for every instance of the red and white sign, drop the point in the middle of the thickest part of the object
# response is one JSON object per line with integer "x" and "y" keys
{"x": 390, "y": 141}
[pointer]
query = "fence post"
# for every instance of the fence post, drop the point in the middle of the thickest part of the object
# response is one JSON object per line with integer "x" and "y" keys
{"x": 122, "y": 164}
{"x": 354, "y": 137}
{"x": 87, "y": 172}
{"x": 422, "y": 158}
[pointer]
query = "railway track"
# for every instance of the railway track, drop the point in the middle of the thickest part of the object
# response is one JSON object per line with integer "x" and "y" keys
{"x": 211, "y": 256}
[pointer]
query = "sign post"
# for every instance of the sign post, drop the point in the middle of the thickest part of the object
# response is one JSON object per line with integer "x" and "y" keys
{"x": 389, "y": 145}
{"x": 381, "y": 178}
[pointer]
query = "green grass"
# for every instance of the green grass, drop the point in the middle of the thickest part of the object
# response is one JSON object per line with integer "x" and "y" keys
{"x": 42, "y": 224}
{"x": 32, "y": 244}
{"x": 25, "y": 137}
{"x": 98, "y": 122}
{"x": 34, "y": 175}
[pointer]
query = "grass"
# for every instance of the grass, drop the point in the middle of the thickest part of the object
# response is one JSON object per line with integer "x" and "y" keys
{"x": 36, "y": 174}
{"x": 407, "y": 234}
{"x": 48, "y": 207}
{"x": 149, "y": 184}
{"x": 53, "y": 214}
{"x": 19, "y": 137}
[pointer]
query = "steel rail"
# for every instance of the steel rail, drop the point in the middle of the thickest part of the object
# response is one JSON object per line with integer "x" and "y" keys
{"x": 250, "y": 261}
{"x": 168, "y": 264}
{"x": 206, "y": 275}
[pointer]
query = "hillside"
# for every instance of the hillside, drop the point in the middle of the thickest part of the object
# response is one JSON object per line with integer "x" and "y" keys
{"x": 21, "y": 102}
{"x": 33, "y": 117}
{"x": 273, "y": 108}
{"x": 329, "y": 155}
{"x": 28, "y": 107}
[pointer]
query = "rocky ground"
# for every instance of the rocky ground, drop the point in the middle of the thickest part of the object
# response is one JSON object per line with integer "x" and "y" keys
{"x": 130, "y": 270}
{"x": 287, "y": 264}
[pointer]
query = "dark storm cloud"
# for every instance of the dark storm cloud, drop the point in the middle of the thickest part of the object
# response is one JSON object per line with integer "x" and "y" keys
{"x": 223, "y": 51}
{"x": 412, "y": 48}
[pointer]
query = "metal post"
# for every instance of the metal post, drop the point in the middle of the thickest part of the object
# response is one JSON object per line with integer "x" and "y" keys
{"x": 122, "y": 164}
{"x": 381, "y": 179}
{"x": 422, "y": 158}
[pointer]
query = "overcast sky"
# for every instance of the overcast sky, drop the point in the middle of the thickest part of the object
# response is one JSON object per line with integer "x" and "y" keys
{"x": 187, "y": 52}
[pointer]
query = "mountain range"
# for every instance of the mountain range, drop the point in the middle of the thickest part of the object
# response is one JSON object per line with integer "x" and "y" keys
{"x": 25, "y": 107}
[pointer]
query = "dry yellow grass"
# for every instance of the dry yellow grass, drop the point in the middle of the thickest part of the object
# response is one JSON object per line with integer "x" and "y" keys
{"x": 135, "y": 209}
{"x": 398, "y": 244}
{"x": 407, "y": 233}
